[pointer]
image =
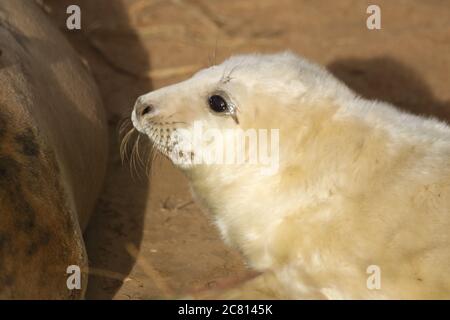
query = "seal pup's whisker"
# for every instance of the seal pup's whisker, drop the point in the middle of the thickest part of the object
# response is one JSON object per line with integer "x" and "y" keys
{"x": 152, "y": 160}
{"x": 123, "y": 124}
{"x": 124, "y": 144}
{"x": 134, "y": 158}
{"x": 137, "y": 151}
{"x": 143, "y": 158}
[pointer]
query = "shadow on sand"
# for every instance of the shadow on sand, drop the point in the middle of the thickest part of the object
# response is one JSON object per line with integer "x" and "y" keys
{"x": 387, "y": 79}
{"x": 109, "y": 44}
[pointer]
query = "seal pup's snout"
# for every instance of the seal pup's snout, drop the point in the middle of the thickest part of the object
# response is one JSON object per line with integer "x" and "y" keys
{"x": 142, "y": 110}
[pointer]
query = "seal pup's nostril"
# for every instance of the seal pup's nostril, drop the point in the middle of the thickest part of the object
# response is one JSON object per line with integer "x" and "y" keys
{"x": 143, "y": 109}
{"x": 147, "y": 109}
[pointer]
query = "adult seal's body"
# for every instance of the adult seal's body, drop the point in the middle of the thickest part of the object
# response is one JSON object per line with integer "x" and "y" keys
{"x": 359, "y": 206}
{"x": 52, "y": 156}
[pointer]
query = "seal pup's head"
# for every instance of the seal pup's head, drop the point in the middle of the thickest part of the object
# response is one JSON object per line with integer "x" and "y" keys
{"x": 281, "y": 99}
{"x": 191, "y": 121}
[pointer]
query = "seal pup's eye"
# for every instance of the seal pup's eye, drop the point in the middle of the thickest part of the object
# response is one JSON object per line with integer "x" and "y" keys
{"x": 221, "y": 104}
{"x": 218, "y": 104}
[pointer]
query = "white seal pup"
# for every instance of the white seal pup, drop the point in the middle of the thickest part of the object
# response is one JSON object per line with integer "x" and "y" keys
{"x": 359, "y": 204}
